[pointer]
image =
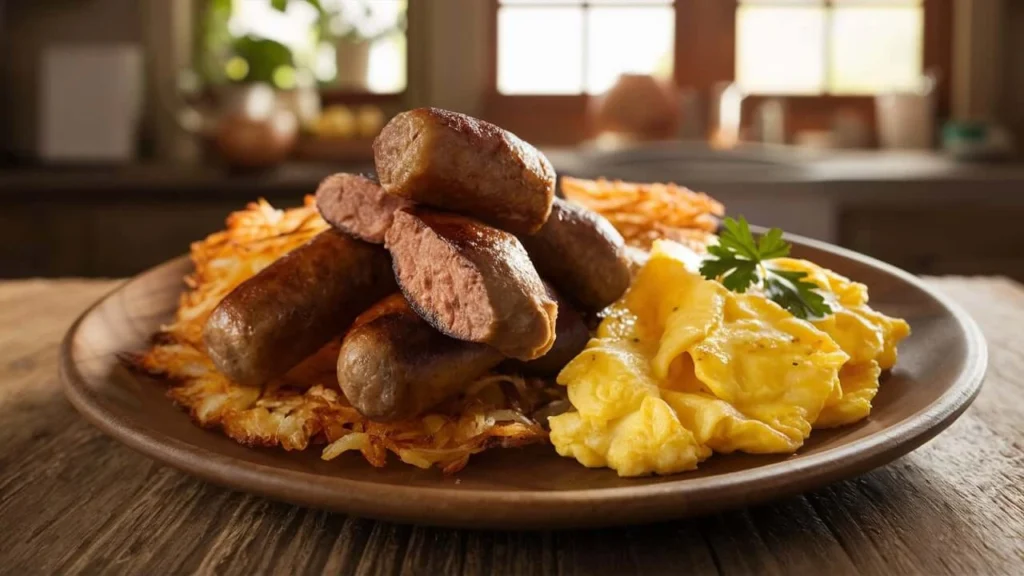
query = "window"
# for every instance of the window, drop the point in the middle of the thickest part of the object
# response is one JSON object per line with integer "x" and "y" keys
{"x": 547, "y": 56}
{"x": 567, "y": 47}
{"x": 840, "y": 47}
{"x": 343, "y": 45}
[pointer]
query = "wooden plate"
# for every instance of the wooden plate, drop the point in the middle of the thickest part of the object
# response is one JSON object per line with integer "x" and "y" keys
{"x": 939, "y": 373}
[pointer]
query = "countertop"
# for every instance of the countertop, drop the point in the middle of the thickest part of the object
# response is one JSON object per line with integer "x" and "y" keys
{"x": 148, "y": 182}
{"x": 840, "y": 175}
{"x": 780, "y": 164}
{"x": 73, "y": 501}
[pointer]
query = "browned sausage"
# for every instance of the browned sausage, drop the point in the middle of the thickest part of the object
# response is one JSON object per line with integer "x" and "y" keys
{"x": 293, "y": 307}
{"x": 582, "y": 254}
{"x": 472, "y": 282}
{"x": 577, "y": 250}
{"x": 462, "y": 164}
{"x": 358, "y": 206}
{"x": 393, "y": 365}
{"x": 572, "y": 338}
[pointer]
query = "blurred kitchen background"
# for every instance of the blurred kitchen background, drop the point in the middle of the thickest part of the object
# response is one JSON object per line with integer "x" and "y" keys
{"x": 129, "y": 128}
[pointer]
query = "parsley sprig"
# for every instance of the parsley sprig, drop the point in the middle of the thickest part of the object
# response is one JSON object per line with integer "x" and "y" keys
{"x": 739, "y": 262}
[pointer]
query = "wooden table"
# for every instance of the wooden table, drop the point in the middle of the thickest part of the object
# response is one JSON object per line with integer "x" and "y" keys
{"x": 73, "y": 501}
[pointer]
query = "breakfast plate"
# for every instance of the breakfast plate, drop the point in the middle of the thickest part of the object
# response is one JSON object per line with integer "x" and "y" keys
{"x": 940, "y": 371}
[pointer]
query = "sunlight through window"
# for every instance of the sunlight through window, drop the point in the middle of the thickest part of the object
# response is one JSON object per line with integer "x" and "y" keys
{"x": 829, "y": 46}
{"x": 572, "y": 47}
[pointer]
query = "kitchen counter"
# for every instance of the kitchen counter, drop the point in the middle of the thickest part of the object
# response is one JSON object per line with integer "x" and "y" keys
{"x": 783, "y": 164}
{"x": 153, "y": 182}
{"x": 73, "y": 501}
{"x": 707, "y": 168}
{"x": 901, "y": 207}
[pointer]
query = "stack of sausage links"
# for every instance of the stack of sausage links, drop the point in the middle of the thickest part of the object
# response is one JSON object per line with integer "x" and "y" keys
{"x": 470, "y": 226}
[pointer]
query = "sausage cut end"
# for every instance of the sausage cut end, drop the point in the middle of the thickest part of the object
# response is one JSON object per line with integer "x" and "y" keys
{"x": 358, "y": 206}
{"x": 472, "y": 282}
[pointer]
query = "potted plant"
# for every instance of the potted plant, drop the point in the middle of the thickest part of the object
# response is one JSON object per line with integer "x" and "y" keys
{"x": 253, "y": 90}
{"x": 231, "y": 61}
{"x": 353, "y": 30}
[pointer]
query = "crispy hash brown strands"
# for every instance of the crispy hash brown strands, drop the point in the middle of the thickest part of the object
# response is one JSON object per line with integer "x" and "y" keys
{"x": 643, "y": 213}
{"x": 305, "y": 407}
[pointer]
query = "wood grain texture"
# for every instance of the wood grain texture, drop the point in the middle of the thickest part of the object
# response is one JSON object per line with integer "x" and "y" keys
{"x": 75, "y": 502}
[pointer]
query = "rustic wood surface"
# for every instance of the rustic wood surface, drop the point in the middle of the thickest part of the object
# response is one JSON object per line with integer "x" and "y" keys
{"x": 75, "y": 502}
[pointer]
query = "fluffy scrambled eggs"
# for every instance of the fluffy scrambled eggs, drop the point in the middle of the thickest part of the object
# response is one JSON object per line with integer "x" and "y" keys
{"x": 681, "y": 367}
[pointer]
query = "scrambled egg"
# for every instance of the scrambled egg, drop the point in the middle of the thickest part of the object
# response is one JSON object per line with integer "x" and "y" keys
{"x": 868, "y": 337}
{"x": 681, "y": 367}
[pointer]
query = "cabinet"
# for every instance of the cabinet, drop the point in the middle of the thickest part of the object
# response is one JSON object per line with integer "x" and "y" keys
{"x": 948, "y": 238}
{"x": 106, "y": 239}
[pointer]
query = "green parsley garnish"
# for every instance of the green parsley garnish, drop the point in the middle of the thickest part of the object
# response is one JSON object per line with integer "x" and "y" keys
{"x": 739, "y": 262}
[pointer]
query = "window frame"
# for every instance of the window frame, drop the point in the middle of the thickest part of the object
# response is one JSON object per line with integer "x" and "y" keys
{"x": 706, "y": 27}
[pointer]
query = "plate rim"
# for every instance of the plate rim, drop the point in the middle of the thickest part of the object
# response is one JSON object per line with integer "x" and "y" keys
{"x": 661, "y": 500}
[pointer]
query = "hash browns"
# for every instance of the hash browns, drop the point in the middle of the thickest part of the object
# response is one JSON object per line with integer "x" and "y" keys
{"x": 305, "y": 407}
{"x": 643, "y": 213}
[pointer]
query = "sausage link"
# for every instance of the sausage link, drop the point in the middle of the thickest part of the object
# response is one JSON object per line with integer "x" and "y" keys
{"x": 393, "y": 365}
{"x": 581, "y": 254}
{"x": 454, "y": 162}
{"x": 290, "y": 309}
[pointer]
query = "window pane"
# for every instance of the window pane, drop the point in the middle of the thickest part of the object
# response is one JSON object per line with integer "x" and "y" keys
{"x": 386, "y": 73}
{"x": 631, "y": 39}
{"x": 877, "y": 2}
{"x": 542, "y": 2}
{"x": 784, "y": 2}
{"x": 540, "y": 50}
{"x": 876, "y": 49}
{"x": 780, "y": 50}
{"x": 631, "y": 2}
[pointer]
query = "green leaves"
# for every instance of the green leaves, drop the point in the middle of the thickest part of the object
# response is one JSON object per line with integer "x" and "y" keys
{"x": 737, "y": 255}
{"x": 282, "y": 5}
{"x": 789, "y": 290}
{"x": 263, "y": 56}
{"x": 737, "y": 261}
{"x": 772, "y": 245}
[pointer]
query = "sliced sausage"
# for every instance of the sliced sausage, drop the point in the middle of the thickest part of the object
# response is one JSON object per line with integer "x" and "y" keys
{"x": 393, "y": 365}
{"x": 462, "y": 164}
{"x": 293, "y": 307}
{"x": 358, "y": 206}
{"x": 572, "y": 337}
{"x": 472, "y": 282}
{"x": 581, "y": 254}
{"x": 576, "y": 249}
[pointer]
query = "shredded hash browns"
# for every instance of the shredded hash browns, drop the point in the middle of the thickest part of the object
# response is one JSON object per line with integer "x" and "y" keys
{"x": 643, "y": 213}
{"x": 306, "y": 407}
